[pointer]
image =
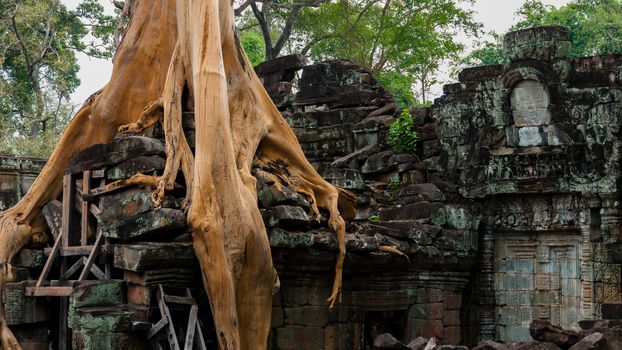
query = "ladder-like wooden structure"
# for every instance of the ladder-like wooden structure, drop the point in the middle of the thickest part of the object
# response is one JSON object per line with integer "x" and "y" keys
{"x": 77, "y": 245}
{"x": 166, "y": 322}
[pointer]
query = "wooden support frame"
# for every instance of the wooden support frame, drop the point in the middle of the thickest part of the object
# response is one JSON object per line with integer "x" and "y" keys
{"x": 194, "y": 334}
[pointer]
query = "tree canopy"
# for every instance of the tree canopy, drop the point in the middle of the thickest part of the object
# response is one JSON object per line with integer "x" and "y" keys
{"x": 39, "y": 69}
{"x": 403, "y": 41}
{"x": 594, "y": 28}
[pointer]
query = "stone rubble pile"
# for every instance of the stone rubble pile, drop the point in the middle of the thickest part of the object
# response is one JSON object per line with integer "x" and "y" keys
{"x": 604, "y": 334}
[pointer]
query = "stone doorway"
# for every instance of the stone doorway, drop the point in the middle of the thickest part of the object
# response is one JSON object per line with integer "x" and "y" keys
{"x": 537, "y": 275}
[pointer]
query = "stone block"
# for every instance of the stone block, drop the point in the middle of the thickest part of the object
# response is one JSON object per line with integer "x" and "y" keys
{"x": 612, "y": 310}
{"x": 285, "y": 216}
{"x": 139, "y": 165}
{"x": 282, "y": 63}
{"x": 29, "y": 258}
{"x": 115, "y": 152}
{"x": 414, "y": 211}
{"x": 298, "y": 338}
{"x": 429, "y": 295}
{"x": 529, "y": 136}
{"x": 418, "y": 343}
{"x": 22, "y": 309}
{"x": 452, "y": 335}
{"x": 313, "y": 316}
{"x": 594, "y": 341}
{"x": 145, "y": 224}
{"x": 152, "y": 256}
{"x": 278, "y": 317}
{"x": 425, "y": 328}
{"x": 451, "y": 318}
{"x": 537, "y": 43}
{"x": 97, "y": 293}
{"x": 387, "y": 341}
{"x": 427, "y": 311}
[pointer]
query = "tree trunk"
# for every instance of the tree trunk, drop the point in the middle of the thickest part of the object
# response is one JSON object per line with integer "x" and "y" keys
{"x": 236, "y": 123}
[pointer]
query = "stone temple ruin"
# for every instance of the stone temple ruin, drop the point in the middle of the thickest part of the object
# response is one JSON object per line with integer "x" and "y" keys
{"x": 509, "y": 211}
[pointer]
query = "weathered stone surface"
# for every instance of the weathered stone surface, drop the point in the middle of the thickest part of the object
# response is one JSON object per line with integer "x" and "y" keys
{"x": 22, "y": 309}
{"x": 594, "y": 341}
{"x": 153, "y": 256}
{"x": 285, "y": 216}
{"x": 30, "y": 258}
{"x": 534, "y": 346}
{"x": 386, "y": 341}
{"x": 139, "y": 165}
{"x": 544, "y": 331}
{"x": 490, "y": 345}
{"x": 144, "y": 224}
{"x": 612, "y": 310}
{"x": 410, "y": 212}
{"x": 289, "y": 62}
{"x": 115, "y": 152}
{"x": 542, "y": 43}
{"x": 418, "y": 343}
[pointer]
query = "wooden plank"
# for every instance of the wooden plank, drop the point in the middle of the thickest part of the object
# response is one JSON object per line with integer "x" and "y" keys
{"x": 49, "y": 291}
{"x": 201, "y": 341}
{"x": 171, "y": 335}
{"x": 67, "y": 209}
{"x": 173, "y": 299}
{"x": 192, "y": 325}
{"x": 50, "y": 260}
{"x": 86, "y": 187}
{"x": 73, "y": 269}
{"x": 157, "y": 327}
{"x": 71, "y": 251}
{"x": 94, "y": 209}
{"x": 91, "y": 258}
{"x": 99, "y": 274}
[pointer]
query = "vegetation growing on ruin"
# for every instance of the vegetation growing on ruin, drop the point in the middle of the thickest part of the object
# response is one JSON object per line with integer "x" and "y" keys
{"x": 402, "y": 136}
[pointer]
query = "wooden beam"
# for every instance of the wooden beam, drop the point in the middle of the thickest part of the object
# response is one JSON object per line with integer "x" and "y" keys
{"x": 49, "y": 291}
{"x": 50, "y": 260}
{"x": 157, "y": 327}
{"x": 89, "y": 262}
{"x": 67, "y": 226}
{"x": 171, "y": 335}
{"x": 73, "y": 269}
{"x": 192, "y": 325}
{"x": 84, "y": 227}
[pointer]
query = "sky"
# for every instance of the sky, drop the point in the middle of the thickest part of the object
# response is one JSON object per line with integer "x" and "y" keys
{"x": 495, "y": 15}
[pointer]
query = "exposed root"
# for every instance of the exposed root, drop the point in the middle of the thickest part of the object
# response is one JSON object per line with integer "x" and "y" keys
{"x": 390, "y": 249}
{"x": 178, "y": 152}
{"x": 147, "y": 118}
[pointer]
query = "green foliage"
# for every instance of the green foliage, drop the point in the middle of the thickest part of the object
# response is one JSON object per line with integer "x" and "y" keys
{"x": 402, "y": 41}
{"x": 487, "y": 52}
{"x": 374, "y": 218}
{"x": 594, "y": 28}
{"x": 254, "y": 46}
{"x": 394, "y": 183}
{"x": 402, "y": 136}
{"x": 39, "y": 69}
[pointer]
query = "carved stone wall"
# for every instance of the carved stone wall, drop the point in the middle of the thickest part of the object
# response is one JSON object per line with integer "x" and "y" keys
{"x": 535, "y": 145}
{"x": 16, "y": 176}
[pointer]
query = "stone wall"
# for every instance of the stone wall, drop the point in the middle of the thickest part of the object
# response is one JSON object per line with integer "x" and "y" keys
{"x": 341, "y": 116}
{"x": 16, "y": 176}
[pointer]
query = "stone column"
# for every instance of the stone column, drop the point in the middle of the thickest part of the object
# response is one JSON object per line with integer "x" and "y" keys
{"x": 486, "y": 291}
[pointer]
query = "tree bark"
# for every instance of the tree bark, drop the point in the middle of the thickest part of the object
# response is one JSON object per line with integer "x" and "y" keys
{"x": 236, "y": 124}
